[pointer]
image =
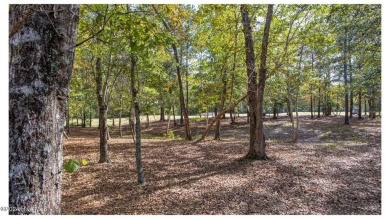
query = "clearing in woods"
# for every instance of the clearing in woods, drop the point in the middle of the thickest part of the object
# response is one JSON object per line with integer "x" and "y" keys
{"x": 333, "y": 169}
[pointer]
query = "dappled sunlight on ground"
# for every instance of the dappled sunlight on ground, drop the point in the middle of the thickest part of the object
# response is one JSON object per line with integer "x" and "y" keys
{"x": 333, "y": 169}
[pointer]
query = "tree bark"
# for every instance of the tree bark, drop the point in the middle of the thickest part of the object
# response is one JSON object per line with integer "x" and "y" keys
{"x": 41, "y": 53}
{"x": 67, "y": 120}
{"x": 103, "y": 109}
{"x": 140, "y": 172}
{"x": 184, "y": 108}
{"x": 256, "y": 93}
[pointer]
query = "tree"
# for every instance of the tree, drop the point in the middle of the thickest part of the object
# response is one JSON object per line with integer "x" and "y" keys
{"x": 41, "y": 57}
{"x": 256, "y": 92}
{"x": 183, "y": 105}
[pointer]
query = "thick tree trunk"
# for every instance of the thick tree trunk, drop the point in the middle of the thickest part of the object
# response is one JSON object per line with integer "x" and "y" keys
{"x": 256, "y": 94}
{"x": 103, "y": 109}
{"x": 252, "y": 74}
{"x": 140, "y": 172}
{"x": 41, "y": 53}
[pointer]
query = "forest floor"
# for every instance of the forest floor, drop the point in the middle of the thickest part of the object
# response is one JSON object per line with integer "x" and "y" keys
{"x": 333, "y": 169}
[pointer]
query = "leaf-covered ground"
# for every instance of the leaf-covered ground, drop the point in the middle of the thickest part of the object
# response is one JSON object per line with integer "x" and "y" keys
{"x": 334, "y": 169}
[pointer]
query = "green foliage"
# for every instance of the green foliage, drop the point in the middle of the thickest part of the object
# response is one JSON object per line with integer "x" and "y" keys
{"x": 71, "y": 166}
{"x": 169, "y": 135}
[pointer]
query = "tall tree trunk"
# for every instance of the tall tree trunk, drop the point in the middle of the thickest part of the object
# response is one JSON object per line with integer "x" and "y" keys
{"x": 319, "y": 103}
{"x": 140, "y": 172}
{"x": 311, "y": 88}
{"x": 252, "y": 74}
{"x": 184, "y": 108}
{"x": 120, "y": 116}
{"x": 346, "y": 118}
{"x": 233, "y": 118}
{"x": 182, "y": 103}
{"x": 103, "y": 109}
{"x": 77, "y": 119}
{"x": 350, "y": 83}
{"x": 41, "y": 52}
{"x": 360, "y": 105}
{"x": 256, "y": 95}
{"x": 222, "y": 104}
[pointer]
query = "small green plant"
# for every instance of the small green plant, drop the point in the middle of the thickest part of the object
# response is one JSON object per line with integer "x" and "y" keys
{"x": 71, "y": 166}
{"x": 169, "y": 135}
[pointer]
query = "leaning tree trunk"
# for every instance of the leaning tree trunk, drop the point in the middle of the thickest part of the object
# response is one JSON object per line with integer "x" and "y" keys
{"x": 140, "y": 172}
{"x": 41, "y": 52}
{"x": 103, "y": 109}
{"x": 182, "y": 102}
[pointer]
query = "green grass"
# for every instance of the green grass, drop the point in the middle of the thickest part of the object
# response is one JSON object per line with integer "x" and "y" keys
{"x": 328, "y": 144}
